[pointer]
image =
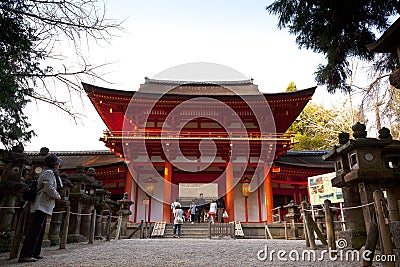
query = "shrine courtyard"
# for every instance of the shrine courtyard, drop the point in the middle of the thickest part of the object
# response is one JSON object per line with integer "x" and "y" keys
{"x": 181, "y": 252}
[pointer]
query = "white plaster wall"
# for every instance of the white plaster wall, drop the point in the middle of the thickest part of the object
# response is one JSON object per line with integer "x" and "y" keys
{"x": 252, "y": 202}
{"x": 240, "y": 214}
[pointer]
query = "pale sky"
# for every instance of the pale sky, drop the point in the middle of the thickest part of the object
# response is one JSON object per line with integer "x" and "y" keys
{"x": 162, "y": 34}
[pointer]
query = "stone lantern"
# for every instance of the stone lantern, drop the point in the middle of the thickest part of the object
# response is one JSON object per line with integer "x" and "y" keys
{"x": 11, "y": 188}
{"x": 372, "y": 164}
{"x": 125, "y": 204}
{"x": 58, "y": 211}
{"x": 78, "y": 199}
{"x": 100, "y": 207}
{"x": 93, "y": 183}
{"x": 293, "y": 215}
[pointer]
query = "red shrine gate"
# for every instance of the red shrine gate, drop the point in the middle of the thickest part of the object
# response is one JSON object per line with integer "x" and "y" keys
{"x": 218, "y": 136}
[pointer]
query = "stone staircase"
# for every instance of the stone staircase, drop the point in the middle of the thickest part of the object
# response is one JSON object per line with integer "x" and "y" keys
{"x": 195, "y": 230}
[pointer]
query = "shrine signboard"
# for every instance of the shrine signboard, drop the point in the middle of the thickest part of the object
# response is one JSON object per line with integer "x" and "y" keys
{"x": 320, "y": 188}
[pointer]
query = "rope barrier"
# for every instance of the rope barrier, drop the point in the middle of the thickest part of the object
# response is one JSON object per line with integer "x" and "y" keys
{"x": 347, "y": 208}
{"x": 81, "y": 214}
{"x": 315, "y": 210}
{"x": 356, "y": 207}
{"x": 56, "y": 212}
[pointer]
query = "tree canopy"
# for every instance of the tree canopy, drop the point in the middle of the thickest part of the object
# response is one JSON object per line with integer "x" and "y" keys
{"x": 317, "y": 128}
{"x": 339, "y": 29}
{"x": 30, "y": 31}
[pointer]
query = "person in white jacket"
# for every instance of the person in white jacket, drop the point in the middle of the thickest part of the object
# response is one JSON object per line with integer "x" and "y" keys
{"x": 213, "y": 210}
{"x": 42, "y": 206}
{"x": 173, "y": 207}
{"x": 178, "y": 220}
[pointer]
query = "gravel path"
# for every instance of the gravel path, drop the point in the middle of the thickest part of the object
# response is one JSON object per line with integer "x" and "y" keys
{"x": 179, "y": 252}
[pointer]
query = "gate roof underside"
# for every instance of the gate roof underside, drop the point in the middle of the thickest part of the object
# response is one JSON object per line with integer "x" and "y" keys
{"x": 148, "y": 128}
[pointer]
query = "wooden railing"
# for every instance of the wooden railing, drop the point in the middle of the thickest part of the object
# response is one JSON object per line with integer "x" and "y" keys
{"x": 221, "y": 230}
{"x": 276, "y": 215}
{"x": 215, "y": 135}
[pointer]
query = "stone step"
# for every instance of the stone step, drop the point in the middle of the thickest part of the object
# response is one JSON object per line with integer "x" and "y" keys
{"x": 188, "y": 230}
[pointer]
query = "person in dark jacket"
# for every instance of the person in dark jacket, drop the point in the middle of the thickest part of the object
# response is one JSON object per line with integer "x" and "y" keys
{"x": 220, "y": 209}
{"x": 43, "y": 205}
{"x": 200, "y": 205}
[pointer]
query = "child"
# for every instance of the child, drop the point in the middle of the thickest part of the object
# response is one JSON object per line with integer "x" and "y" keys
{"x": 192, "y": 211}
{"x": 188, "y": 215}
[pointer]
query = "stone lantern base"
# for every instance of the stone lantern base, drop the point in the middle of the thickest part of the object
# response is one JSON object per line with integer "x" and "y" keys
{"x": 5, "y": 241}
{"x": 395, "y": 233}
{"x": 355, "y": 238}
{"x": 76, "y": 238}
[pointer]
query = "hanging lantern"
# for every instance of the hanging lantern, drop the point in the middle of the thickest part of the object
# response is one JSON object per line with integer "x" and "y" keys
{"x": 149, "y": 189}
{"x": 149, "y": 185}
{"x": 246, "y": 188}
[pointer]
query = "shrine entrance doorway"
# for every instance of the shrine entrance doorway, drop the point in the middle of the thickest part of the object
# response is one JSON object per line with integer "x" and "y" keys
{"x": 191, "y": 191}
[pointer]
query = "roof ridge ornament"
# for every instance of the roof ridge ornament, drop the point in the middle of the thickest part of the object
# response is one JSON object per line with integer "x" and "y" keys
{"x": 359, "y": 130}
{"x": 343, "y": 138}
{"x": 384, "y": 134}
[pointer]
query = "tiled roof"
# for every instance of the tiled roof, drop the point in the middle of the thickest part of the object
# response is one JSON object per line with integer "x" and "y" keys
{"x": 389, "y": 40}
{"x": 241, "y": 87}
{"x": 305, "y": 158}
{"x": 72, "y": 159}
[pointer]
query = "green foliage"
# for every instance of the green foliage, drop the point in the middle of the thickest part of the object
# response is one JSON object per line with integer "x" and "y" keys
{"x": 16, "y": 57}
{"x": 338, "y": 29}
{"x": 317, "y": 128}
{"x": 291, "y": 87}
{"x": 29, "y": 32}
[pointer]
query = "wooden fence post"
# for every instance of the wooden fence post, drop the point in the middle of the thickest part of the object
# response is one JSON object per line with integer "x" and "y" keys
{"x": 305, "y": 232}
{"x": 64, "y": 237}
{"x": 141, "y": 234}
{"x": 233, "y": 230}
{"x": 118, "y": 232}
{"x": 16, "y": 241}
{"x": 330, "y": 230}
{"x": 383, "y": 228}
{"x": 92, "y": 226}
{"x": 108, "y": 232}
{"x": 372, "y": 240}
{"x": 310, "y": 231}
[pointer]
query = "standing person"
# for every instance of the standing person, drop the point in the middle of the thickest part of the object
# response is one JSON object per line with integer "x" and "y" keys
{"x": 42, "y": 206}
{"x": 213, "y": 210}
{"x": 192, "y": 210}
{"x": 178, "y": 221}
{"x": 220, "y": 209}
{"x": 200, "y": 208}
{"x": 173, "y": 206}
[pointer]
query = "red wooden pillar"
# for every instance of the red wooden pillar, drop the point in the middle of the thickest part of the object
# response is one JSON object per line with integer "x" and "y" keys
{"x": 259, "y": 204}
{"x": 269, "y": 199}
{"x": 149, "y": 213}
{"x": 246, "y": 208}
{"x": 129, "y": 186}
{"x": 230, "y": 195}
{"x": 167, "y": 192}
{"x": 136, "y": 201}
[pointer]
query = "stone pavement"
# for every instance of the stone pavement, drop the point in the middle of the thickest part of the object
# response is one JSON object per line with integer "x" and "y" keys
{"x": 178, "y": 252}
